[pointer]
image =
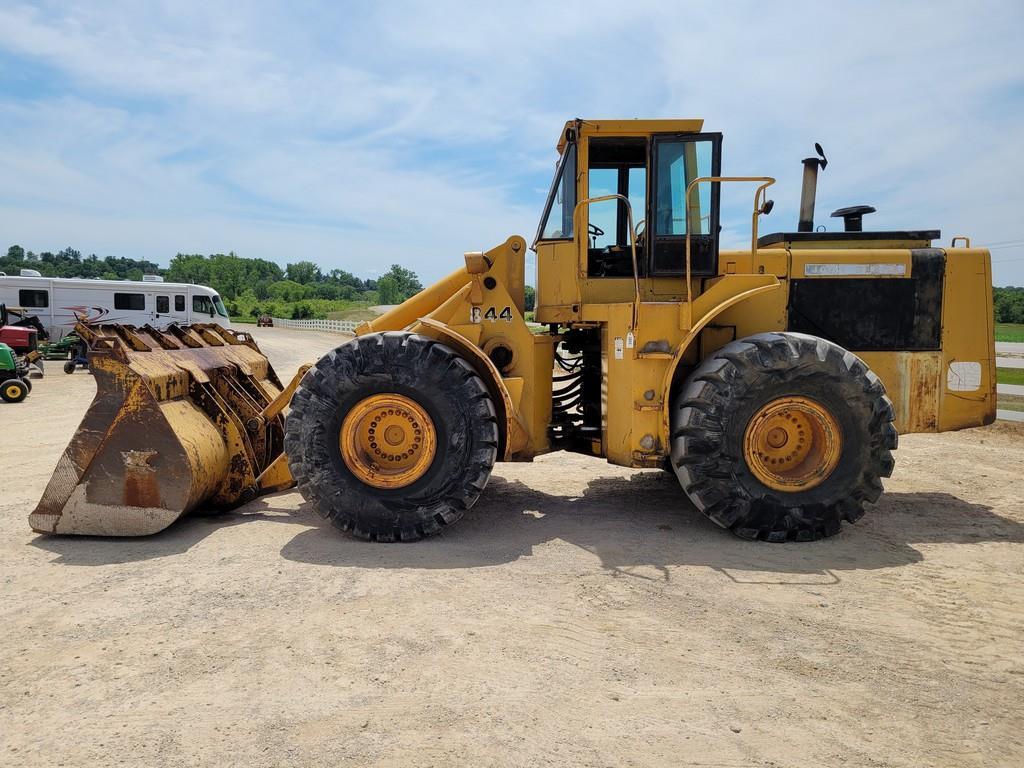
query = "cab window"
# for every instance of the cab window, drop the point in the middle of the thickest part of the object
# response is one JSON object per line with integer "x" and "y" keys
{"x": 557, "y": 224}
{"x": 678, "y": 164}
{"x": 677, "y": 161}
{"x": 616, "y": 167}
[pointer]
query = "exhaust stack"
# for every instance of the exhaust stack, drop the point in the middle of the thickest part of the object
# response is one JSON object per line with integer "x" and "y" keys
{"x": 810, "y": 188}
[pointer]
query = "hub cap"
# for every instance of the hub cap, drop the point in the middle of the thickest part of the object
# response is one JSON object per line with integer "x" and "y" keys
{"x": 388, "y": 441}
{"x": 792, "y": 444}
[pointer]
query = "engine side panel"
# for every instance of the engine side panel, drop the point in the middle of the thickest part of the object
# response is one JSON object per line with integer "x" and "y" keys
{"x": 924, "y": 325}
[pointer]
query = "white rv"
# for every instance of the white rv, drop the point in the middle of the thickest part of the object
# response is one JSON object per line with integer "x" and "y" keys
{"x": 59, "y": 302}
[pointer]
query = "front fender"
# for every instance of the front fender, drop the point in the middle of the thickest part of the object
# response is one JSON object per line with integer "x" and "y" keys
{"x": 514, "y": 436}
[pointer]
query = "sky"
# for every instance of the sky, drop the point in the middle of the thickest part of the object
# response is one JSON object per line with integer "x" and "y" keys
{"x": 358, "y": 135}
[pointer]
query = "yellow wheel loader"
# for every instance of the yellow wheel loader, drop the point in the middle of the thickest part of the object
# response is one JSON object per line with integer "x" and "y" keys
{"x": 772, "y": 380}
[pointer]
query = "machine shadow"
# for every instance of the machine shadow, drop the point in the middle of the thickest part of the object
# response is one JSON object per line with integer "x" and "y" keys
{"x": 643, "y": 520}
{"x": 628, "y": 523}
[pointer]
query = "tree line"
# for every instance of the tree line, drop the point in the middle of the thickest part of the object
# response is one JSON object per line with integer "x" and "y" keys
{"x": 70, "y": 263}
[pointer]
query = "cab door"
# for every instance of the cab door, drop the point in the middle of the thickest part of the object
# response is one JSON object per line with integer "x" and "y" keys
{"x": 676, "y": 160}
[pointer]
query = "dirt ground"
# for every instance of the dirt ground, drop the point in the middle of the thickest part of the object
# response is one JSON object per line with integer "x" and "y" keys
{"x": 581, "y": 615}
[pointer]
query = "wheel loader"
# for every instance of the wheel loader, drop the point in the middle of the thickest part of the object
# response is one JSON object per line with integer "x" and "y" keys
{"x": 771, "y": 380}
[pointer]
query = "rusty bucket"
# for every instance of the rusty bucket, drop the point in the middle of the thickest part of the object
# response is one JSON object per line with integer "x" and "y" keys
{"x": 185, "y": 417}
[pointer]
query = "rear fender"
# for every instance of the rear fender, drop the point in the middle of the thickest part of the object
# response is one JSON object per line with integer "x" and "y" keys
{"x": 727, "y": 292}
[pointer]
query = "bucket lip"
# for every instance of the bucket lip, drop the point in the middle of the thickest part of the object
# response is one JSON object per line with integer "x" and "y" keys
{"x": 83, "y": 518}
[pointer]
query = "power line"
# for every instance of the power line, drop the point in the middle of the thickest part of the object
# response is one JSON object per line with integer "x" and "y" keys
{"x": 1001, "y": 243}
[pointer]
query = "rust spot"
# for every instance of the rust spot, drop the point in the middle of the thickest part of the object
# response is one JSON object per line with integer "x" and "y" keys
{"x": 140, "y": 485}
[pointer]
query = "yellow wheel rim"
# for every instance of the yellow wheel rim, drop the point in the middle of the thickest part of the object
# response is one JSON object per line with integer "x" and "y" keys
{"x": 12, "y": 390}
{"x": 792, "y": 444}
{"x": 388, "y": 441}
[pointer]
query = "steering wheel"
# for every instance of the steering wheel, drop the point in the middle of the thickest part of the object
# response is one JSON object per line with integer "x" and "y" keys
{"x": 595, "y": 232}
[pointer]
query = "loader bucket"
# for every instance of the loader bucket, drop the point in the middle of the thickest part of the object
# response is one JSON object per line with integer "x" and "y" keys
{"x": 180, "y": 419}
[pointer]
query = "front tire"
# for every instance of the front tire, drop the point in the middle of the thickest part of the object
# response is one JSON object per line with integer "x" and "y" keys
{"x": 14, "y": 390}
{"x": 782, "y": 436}
{"x": 391, "y": 437}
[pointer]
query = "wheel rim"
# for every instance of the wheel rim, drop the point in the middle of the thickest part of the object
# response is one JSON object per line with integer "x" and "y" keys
{"x": 388, "y": 441}
{"x": 792, "y": 444}
{"x": 12, "y": 390}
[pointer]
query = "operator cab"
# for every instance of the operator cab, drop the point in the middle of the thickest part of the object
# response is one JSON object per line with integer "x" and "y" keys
{"x": 650, "y": 164}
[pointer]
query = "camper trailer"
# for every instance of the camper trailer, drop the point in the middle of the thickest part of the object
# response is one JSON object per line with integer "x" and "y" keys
{"x": 59, "y": 303}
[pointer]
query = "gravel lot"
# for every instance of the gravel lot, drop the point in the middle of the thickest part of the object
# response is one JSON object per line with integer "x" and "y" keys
{"x": 581, "y": 615}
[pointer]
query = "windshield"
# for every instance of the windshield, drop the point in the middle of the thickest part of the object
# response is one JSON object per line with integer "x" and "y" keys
{"x": 556, "y": 223}
{"x": 221, "y": 310}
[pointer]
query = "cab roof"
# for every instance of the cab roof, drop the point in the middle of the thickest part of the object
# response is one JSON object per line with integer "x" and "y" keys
{"x": 634, "y": 127}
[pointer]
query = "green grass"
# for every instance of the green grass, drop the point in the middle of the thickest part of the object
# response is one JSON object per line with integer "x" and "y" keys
{"x": 1010, "y": 332}
{"x": 358, "y": 314}
{"x": 1010, "y": 376}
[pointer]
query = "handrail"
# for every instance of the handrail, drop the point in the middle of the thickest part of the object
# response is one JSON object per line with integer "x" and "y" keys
{"x": 632, "y": 242}
{"x": 767, "y": 181}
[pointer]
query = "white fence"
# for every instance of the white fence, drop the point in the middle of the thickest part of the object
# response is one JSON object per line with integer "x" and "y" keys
{"x": 335, "y": 326}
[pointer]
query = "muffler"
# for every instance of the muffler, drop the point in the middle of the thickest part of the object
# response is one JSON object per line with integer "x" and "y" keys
{"x": 810, "y": 188}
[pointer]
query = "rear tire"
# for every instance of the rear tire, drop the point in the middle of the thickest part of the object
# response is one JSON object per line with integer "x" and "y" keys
{"x": 14, "y": 390}
{"x": 69, "y": 366}
{"x": 434, "y": 381}
{"x": 737, "y": 387}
